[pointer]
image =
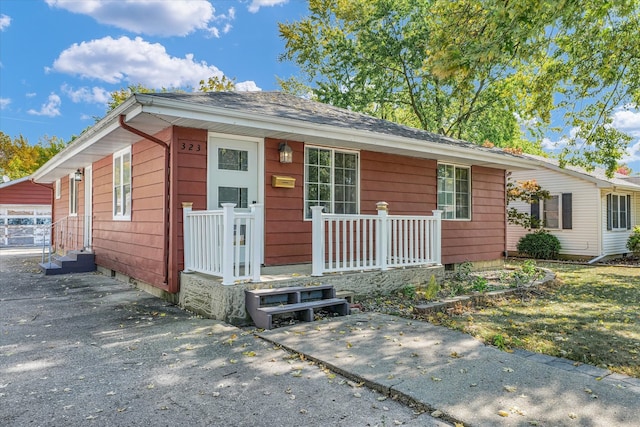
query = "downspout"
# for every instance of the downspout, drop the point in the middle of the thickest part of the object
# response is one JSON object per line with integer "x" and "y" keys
{"x": 165, "y": 206}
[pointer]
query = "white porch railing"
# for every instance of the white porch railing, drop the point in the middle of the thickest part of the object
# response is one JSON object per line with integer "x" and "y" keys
{"x": 62, "y": 236}
{"x": 367, "y": 242}
{"x": 223, "y": 242}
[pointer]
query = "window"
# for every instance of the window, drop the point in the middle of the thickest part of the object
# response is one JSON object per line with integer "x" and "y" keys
{"x": 556, "y": 212}
{"x": 73, "y": 196}
{"x": 454, "y": 191}
{"x": 331, "y": 180}
{"x": 57, "y": 189}
{"x": 122, "y": 184}
{"x": 618, "y": 212}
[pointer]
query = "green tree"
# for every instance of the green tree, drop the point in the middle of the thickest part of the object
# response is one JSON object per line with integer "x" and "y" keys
{"x": 478, "y": 69}
{"x": 18, "y": 158}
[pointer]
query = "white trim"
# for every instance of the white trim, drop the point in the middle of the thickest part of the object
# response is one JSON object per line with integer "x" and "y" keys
{"x": 116, "y": 155}
{"x": 456, "y": 165}
{"x": 305, "y": 175}
{"x": 73, "y": 184}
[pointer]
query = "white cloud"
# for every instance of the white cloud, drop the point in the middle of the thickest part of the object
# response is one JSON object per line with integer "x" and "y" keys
{"x": 257, "y": 4}
{"x": 632, "y": 154}
{"x": 134, "y": 61}
{"x": 94, "y": 95}
{"x": 153, "y": 17}
{"x": 627, "y": 121}
{"x": 5, "y": 21}
{"x": 248, "y": 86}
{"x": 4, "y": 103}
{"x": 50, "y": 109}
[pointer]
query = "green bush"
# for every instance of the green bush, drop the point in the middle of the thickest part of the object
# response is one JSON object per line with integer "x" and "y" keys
{"x": 540, "y": 245}
{"x": 633, "y": 242}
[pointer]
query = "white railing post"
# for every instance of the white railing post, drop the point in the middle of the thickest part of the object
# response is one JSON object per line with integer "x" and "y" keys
{"x": 436, "y": 237}
{"x": 317, "y": 241}
{"x": 256, "y": 240}
{"x": 187, "y": 207}
{"x": 382, "y": 237}
{"x": 227, "y": 243}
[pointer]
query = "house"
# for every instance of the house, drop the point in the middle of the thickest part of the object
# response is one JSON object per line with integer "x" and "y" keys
{"x": 25, "y": 212}
{"x": 591, "y": 215}
{"x": 159, "y": 170}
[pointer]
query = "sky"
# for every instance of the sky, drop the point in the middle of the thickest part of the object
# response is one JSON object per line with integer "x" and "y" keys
{"x": 60, "y": 59}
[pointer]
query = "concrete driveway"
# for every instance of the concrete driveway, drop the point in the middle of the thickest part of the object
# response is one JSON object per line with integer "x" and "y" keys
{"x": 84, "y": 349}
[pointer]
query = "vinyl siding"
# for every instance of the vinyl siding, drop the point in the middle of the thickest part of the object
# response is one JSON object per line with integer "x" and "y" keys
{"x": 582, "y": 239}
{"x": 615, "y": 241}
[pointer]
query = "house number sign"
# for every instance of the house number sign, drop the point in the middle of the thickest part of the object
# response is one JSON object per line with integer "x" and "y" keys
{"x": 190, "y": 146}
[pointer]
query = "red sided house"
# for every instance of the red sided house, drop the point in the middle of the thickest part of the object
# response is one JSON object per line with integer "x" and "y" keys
{"x": 25, "y": 213}
{"x": 224, "y": 184}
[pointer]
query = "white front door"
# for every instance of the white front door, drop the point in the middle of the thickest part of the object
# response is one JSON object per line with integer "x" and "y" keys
{"x": 233, "y": 173}
{"x": 88, "y": 211}
{"x": 234, "y": 168}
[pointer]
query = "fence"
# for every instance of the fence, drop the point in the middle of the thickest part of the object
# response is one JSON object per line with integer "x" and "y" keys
{"x": 367, "y": 242}
{"x": 223, "y": 242}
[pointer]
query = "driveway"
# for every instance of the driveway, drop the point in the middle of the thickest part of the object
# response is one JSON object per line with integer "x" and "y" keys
{"x": 85, "y": 349}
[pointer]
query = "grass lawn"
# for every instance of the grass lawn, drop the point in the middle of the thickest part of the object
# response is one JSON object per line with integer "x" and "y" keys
{"x": 591, "y": 315}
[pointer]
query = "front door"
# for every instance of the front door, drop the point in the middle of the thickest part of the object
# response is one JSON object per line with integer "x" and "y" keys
{"x": 233, "y": 166}
{"x": 88, "y": 211}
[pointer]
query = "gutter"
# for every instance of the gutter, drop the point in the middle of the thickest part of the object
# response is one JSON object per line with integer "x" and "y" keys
{"x": 166, "y": 191}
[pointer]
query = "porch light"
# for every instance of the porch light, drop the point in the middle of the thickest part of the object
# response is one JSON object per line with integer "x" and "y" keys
{"x": 286, "y": 153}
{"x": 77, "y": 176}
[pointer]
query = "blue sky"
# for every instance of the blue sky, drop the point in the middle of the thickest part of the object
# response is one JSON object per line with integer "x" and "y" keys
{"x": 60, "y": 59}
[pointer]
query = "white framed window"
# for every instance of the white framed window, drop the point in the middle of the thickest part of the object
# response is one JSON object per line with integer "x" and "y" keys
{"x": 57, "y": 188}
{"x": 556, "y": 212}
{"x": 122, "y": 184}
{"x": 454, "y": 191}
{"x": 618, "y": 211}
{"x": 331, "y": 180}
{"x": 73, "y": 196}
{"x": 551, "y": 212}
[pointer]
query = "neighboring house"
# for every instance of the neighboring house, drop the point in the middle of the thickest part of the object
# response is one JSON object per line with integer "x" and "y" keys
{"x": 591, "y": 215}
{"x": 157, "y": 151}
{"x": 25, "y": 213}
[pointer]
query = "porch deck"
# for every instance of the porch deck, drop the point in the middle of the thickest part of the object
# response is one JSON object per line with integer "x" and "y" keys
{"x": 207, "y": 296}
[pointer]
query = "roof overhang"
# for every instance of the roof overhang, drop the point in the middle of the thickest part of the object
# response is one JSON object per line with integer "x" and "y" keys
{"x": 152, "y": 114}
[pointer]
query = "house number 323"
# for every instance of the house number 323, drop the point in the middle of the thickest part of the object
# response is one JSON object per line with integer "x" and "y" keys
{"x": 189, "y": 147}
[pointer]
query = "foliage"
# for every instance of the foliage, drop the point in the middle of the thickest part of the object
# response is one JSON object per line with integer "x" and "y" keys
{"x": 478, "y": 70}
{"x": 18, "y": 158}
{"x": 633, "y": 242}
{"x": 526, "y": 191}
{"x": 216, "y": 84}
{"x": 433, "y": 287}
{"x": 121, "y": 95}
{"x": 408, "y": 291}
{"x": 480, "y": 284}
{"x": 539, "y": 244}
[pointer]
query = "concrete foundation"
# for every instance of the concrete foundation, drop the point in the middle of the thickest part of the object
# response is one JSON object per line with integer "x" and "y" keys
{"x": 205, "y": 295}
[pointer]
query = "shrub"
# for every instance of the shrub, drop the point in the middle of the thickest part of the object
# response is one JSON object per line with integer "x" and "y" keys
{"x": 633, "y": 242}
{"x": 432, "y": 289}
{"x": 540, "y": 245}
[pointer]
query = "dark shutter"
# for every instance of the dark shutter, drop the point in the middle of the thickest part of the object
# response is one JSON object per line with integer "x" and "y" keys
{"x": 628, "y": 212}
{"x": 609, "y": 219}
{"x": 535, "y": 213}
{"x": 567, "y": 212}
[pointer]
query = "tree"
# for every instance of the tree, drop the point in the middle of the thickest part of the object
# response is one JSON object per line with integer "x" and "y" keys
{"x": 18, "y": 158}
{"x": 526, "y": 191}
{"x": 478, "y": 69}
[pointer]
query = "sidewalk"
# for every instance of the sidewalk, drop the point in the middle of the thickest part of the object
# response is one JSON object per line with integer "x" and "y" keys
{"x": 464, "y": 380}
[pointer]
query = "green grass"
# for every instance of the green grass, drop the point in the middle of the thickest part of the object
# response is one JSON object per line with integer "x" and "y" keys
{"x": 591, "y": 315}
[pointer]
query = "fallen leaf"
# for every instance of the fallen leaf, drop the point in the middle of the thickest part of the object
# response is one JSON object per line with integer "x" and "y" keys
{"x": 503, "y": 413}
{"x": 507, "y": 369}
{"x": 510, "y": 388}
{"x": 436, "y": 379}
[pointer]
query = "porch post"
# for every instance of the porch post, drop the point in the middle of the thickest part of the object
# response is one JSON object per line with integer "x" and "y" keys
{"x": 257, "y": 240}
{"x": 317, "y": 241}
{"x": 436, "y": 238}
{"x": 227, "y": 243}
{"x": 187, "y": 207}
{"x": 382, "y": 238}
